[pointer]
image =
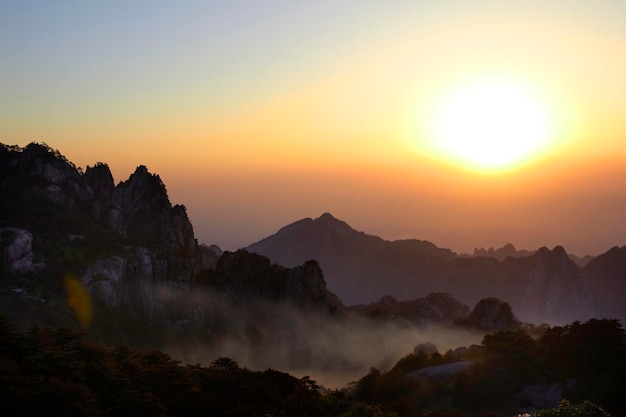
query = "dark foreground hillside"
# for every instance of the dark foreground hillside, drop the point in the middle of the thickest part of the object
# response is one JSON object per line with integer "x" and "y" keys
{"x": 61, "y": 372}
{"x": 513, "y": 371}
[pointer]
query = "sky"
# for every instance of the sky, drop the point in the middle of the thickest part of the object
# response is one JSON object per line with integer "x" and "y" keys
{"x": 259, "y": 113}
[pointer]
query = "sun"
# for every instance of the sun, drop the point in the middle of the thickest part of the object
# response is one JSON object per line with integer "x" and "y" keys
{"x": 491, "y": 124}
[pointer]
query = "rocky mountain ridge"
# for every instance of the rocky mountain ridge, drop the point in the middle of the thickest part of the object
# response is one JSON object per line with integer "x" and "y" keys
{"x": 509, "y": 250}
{"x": 126, "y": 243}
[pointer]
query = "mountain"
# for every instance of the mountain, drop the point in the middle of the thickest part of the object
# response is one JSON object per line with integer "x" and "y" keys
{"x": 125, "y": 244}
{"x": 502, "y": 253}
{"x": 545, "y": 285}
{"x": 509, "y": 250}
{"x": 606, "y": 275}
{"x": 354, "y": 261}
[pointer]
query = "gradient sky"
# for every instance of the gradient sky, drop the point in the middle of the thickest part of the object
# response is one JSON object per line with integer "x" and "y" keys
{"x": 258, "y": 113}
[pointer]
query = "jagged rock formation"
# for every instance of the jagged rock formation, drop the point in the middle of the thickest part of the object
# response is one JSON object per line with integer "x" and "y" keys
{"x": 492, "y": 314}
{"x": 127, "y": 243}
{"x": 502, "y": 253}
{"x": 555, "y": 286}
{"x": 436, "y": 308}
{"x": 44, "y": 170}
{"x": 151, "y": 241}
{"x": 509, "y": 250}
{"x": 242, "y": 275}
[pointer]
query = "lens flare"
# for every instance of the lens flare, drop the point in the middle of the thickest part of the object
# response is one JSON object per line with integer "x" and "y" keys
{"x": 79, "y": 301}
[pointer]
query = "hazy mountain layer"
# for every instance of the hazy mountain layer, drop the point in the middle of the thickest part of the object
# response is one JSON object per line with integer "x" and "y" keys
{"x": 545, "y": 285}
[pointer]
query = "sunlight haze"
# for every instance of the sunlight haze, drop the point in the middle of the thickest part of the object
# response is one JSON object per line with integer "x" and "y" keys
{"x": 465, "y": 123}
{"x": 491, "y": 124}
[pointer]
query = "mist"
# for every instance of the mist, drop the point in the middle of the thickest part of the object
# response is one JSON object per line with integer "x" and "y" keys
{"x": 334, "y": 349}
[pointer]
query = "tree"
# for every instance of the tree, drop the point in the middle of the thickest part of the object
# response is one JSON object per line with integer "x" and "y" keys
{"x": 225, "y": 364}
{"x": 305, "y": 399}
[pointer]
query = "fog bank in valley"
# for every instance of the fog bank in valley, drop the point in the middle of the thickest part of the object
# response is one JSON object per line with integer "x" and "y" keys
{"x": 333, "y": 349}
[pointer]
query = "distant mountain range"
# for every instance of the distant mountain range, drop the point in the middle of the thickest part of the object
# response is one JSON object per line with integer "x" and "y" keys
{"x": 136, "y": 256}
{"x": 509, "y": 250}
{"x": 546, "y": 285}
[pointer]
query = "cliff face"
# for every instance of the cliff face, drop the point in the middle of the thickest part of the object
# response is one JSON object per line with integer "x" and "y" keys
{"x": 555, "y": 287}
{"x": 241, "y": 275}
{"x": 127, "y": 243}
{"x": 134, "y": 241}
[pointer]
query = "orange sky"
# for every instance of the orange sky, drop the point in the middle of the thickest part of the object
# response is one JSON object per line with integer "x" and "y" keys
{"x": 257, "y": 116}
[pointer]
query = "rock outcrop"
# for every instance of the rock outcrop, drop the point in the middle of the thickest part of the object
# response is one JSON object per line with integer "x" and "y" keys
{"x": 16, "y": 251}
{"x": 427, "y": 348}
{"x": 242, "y": 275}
{"x": 436, "y": 308}
{"x": 492, "y": 314}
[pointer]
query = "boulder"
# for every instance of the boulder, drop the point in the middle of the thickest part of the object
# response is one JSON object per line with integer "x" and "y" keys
{"x": 427, "y": 348}
{"x": 492, "y": 314}
{"x": 17, "y": 253}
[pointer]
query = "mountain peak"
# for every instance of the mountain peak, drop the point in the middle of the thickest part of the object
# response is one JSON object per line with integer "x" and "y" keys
{"x": 325, "y": 236}
{"x": 330, "y": 222}
{"x": 326, "y": 217}
{"x": 141, "y": 170}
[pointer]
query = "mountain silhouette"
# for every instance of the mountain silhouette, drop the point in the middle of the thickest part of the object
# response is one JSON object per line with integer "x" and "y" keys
{"x": 545, "y": 285}
{"x": 127, "y": 244}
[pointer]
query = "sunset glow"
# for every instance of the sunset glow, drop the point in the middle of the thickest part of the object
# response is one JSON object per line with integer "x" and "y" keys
{"x": 465, "y": 123}
{"x": 491, "y": 125}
